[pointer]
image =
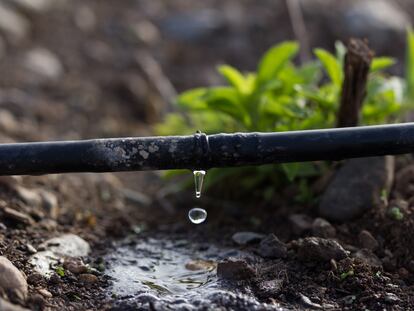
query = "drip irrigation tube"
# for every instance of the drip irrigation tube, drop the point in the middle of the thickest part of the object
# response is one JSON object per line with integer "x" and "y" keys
{"x": 200, "y": 151}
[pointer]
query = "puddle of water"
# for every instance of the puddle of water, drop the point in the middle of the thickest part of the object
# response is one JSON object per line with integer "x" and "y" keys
{"x": 174, "y": 273}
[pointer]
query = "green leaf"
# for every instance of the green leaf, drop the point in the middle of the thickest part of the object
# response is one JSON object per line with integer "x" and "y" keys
{"x": 381, "y": 63}
{"x": 331, "y": 64}
{"x": 193, "y": 99}
{"x": 409, "y": 65}
{"x": 226, "y": 100}
{"x": 235, "y": 78}
{"x": 275, "y": 59}
{"x": 291, "y": 170}
{"x": 60, "y": 271}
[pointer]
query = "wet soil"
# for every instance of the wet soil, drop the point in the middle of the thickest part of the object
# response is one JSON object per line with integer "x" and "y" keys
{"x": 104, "y": 90}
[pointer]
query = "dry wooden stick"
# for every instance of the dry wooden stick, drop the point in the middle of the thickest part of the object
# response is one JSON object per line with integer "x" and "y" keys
{"x": 356, "y": 68}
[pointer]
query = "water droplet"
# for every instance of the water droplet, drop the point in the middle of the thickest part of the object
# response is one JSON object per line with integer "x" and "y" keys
{"x": 197, "y": 215}
{"x": 198, "y": 180}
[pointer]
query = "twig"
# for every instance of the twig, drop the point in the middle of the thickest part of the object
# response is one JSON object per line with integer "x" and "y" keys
{"x": 356, "y": 68}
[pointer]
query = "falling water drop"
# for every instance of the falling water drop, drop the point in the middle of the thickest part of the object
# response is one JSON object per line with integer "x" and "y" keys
{"x": 197, "y": 215}
{"x": 198, "y": 180}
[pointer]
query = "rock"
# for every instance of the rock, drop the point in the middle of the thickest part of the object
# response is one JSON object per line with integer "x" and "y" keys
{"x": 30, "y": 249}
{"x": 323, "y": 228}
{"x": 271, "y": 287}
{"x": 29, "y": 196}
{"x": 319, "y": 249}
{"x": 235, "y": 269}
{"x": 85, "y": 18}
{"x": 308, "y": 303}
{"x": 16, "y": 216}
{"x": 43, "y": 63}
{"x": 14, "y": 25}
{"x": 391, "y": 298}
{"x": 55, "y": 250}
{"x": 75, "y": 266}
{"x": 45, "y": 293}
{"x": 88, "y": 278}
{"x": 272, "y": 247}
{"x": 367, "y": 240}
{"x": 300, "y": 223}
{"x": 245, "y": 238}
{"x": 356, "y": 187}
{"x": 368, "y": 257}
{"x": 8, "y": 306}
{"x": 35, "y": 279}
{"x": 69, "y": 245}
{"x": 12, "y": 280}
{"x": 376, "y": 20}
{"x": 200, "y": 264}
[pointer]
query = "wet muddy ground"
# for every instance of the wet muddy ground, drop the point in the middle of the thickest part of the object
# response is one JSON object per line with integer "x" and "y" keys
{"x": 82, "y": 70}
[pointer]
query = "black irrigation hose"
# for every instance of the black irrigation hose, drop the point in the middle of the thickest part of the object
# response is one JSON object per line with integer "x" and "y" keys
{"x": 200, "y": 151}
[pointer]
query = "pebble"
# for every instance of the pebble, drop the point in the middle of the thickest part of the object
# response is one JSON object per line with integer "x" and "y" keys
{"x": 8, "y": 306}
{"x": 29, "y": 196}
{"x": 367, "y": 240}
{"x": 88, "y": 278}
{"x": 272, "y": 247}
{"x": 245, "y": 238}
{"x": 235, "y": 269}
{"x": 357, "y": 187}
{"x": 14, "y": 25}
{"x": 391, "y": 298}
{"x": 31, "y": 249}
{"x": 45, "y": 293}
{"x": 75, "y": 266}
{"x": 308, "y": 303}
{"x": 12, "y": 280}
{"x": 319, "y": 249}
{"x": 323, "y": 228}
{"x": 11, "y": 213}
{"x": 368, "y": 257}
{"x": 43, "y": 63}
{"x": 300, "y": 223}
{"x": 37, "y": 6}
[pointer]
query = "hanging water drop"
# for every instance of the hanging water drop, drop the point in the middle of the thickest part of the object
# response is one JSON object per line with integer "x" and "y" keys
{"x": 198, "y": 180}
{"x": 197, "y": 215}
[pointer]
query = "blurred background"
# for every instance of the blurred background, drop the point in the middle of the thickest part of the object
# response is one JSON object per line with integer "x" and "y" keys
{"x": 100, "y": 68}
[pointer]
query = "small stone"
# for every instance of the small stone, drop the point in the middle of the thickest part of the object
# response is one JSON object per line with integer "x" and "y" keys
{"x": 16, "y": 215}
{"x": 75, "y": 266}
{"x": 308, "y": 303}
{"x": 367, "y": 240}
{"x": 68, "y": 245}
{"x": 245, "y": 238}
{"x": 323, "y": 228}
{"x": 356, "y": 187}
{"x": 300, "y": 223}
{"x": 12, "y": 280}
{"x": 235, "y": 269}
{"x": 391, "y": 298}
{"x": 45, "y": 293}
{"x": 8, "y": 306}
{"x": 199, "y": 264}
{"x": 271, "y": 287}
{"x": 43, "y": 63}
{"x": 30, "y": 249}
{"x": 29, "y": 196}
{"x": 369, "y": 258}
{"x": 272, "y": 247}
{"x": 14, "y": 25}
{"x": 319, "y": 249}
{"x": 88, "y": 278}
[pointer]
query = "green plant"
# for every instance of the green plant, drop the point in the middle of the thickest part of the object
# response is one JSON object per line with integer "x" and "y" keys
{"x": 282, "y": 96}
{"x": 60, "y": 271}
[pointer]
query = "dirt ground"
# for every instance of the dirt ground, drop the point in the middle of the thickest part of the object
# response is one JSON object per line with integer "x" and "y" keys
{"x": 118, "y": 68}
